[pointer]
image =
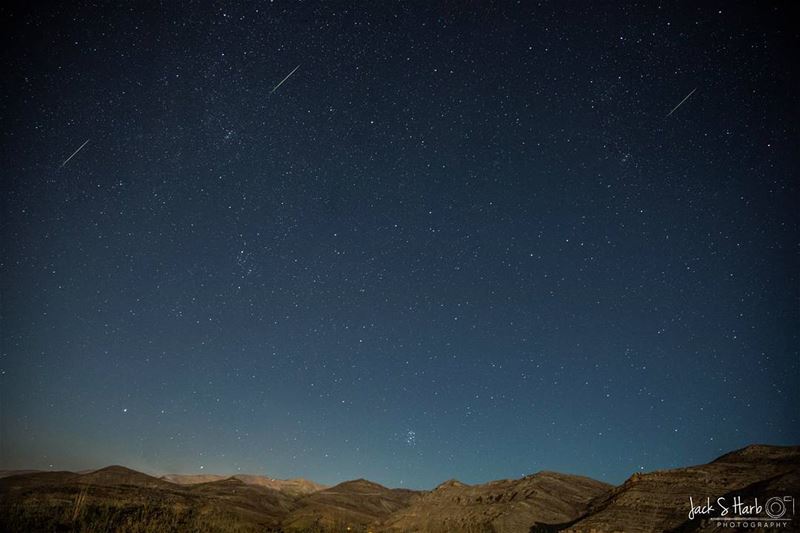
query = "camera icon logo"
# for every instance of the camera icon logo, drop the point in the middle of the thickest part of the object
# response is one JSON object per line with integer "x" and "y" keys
{"x": 776, "y": 506}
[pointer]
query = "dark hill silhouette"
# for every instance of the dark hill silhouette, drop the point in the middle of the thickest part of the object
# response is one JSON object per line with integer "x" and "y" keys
{"x": 119, "y": 475}
{"x": 296, "y": 486}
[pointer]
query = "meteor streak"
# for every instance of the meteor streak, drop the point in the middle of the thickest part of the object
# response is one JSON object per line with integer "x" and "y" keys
{"x": 681, "y": 102}
{"x": 284, "y": 79}
{"x": 74, "y": 153}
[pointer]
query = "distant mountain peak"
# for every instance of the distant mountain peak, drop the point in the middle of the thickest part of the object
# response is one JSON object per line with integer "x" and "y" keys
{"x": 449, "y": 484}
{"x": 290, "y": 486}
{"x": 113, "y": 469}
{"x": 359, "y": 484}
{"x": 118, "y": 475}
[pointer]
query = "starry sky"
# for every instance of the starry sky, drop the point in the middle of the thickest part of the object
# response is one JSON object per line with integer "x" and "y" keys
{"x": 462, "y": 240}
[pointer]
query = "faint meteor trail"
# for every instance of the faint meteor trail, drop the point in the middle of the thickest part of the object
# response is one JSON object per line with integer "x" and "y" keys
{"x": 681, "y": 102}
{"x": 74, "y": 153}
{"x": 284, "y": 79}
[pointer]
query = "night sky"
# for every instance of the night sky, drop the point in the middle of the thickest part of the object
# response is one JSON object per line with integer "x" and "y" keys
{"x": 460, "y": 240}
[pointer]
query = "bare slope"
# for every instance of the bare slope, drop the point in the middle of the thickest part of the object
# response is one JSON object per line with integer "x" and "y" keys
{"x": 119, "y": 499}
{"x": 659, "y": 501}
{"x": 504, "y": 506}
{"x": 352, "y": 504}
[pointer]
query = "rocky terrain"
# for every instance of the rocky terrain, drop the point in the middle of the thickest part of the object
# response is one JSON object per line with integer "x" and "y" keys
{"x": 356, "y": 505}
{"x": 500, "y": 506}
{"x": 119, "y": 499}
{"x": 659, "y": 501}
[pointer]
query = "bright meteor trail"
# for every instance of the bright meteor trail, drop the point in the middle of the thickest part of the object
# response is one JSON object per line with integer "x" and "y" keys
{"x": 284, "y": 79}
{"x": 681, "y": 102}
{"x": 74, "y": 153}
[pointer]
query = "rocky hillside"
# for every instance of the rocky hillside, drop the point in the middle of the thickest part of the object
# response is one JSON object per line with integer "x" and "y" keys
{"x": 659, "y": 501}
{"x": 123, "y": 500}
{"x": 509, "y": 505}
{"x": 351, "y": 506}
{"x": 119, "y": 499}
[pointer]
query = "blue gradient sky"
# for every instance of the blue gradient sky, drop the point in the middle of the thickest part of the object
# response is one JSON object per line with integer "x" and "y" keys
{"x": 459, "y": 241}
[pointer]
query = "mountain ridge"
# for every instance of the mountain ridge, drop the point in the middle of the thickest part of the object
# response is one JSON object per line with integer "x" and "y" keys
{"x": 122, "y": 499}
